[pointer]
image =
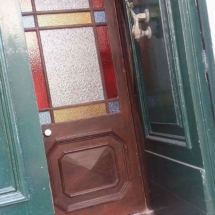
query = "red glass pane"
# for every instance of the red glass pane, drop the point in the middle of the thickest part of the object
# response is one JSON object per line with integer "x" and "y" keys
{"x": 98, "y": 3}
{"x": 37, "y": 70}
{"x": 107, "y": 62}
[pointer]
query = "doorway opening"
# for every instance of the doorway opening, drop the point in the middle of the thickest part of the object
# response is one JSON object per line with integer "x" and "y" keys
{"x": 111, "y": 107}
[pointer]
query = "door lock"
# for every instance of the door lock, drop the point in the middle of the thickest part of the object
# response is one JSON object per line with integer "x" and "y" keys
{"x": 136, "y": 30}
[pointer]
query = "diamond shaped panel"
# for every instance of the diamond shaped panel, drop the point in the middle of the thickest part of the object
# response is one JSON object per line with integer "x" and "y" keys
{"x": 88, "y": 170}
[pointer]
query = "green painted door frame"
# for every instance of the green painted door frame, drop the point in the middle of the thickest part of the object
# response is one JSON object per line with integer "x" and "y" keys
{"x": 204, "y": 113}
{"x": 208, "y": 99}
{"x": 24, "y": 182}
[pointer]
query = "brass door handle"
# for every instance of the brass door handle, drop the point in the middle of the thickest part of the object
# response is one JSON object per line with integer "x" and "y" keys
{"x": 145, "y": 16}
{"x": 136, "y": 30}
{"x": 147, "y": 33}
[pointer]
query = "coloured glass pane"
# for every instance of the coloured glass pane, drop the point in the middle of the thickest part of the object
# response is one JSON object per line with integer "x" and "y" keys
{"x": 107, "y": 62}
{"x": 113, "y": 107}
{"x": 37, "y": 70}
{"x": 45, "y": 118}
{"x": 99, "y": 16}
{"x": 44, "y": 5}
{"x": 28, "y": 21}
{"x": 26, "y": 5}
{"x": 72, "y": 66}
{"x": 64, "y": 19}
{"x": 80, "y": 112}
{"x": 97, "y": 3}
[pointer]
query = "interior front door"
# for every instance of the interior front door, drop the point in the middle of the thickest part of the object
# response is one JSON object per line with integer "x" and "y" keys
{"x": 82, "y": 96}
{"x": 169, "y": 66}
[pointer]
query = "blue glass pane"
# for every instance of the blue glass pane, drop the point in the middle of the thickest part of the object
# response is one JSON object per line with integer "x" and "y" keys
{"x": 99, "y": 16}
{"x": 113, "y": 107}
{"x": 28, "y": 21}
{"x": 45, "y": 118}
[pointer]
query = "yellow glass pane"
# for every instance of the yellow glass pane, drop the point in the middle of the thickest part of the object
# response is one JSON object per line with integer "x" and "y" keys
{"x": 64, "y": 19}
{"x": 26, "y": 5}
{"x": 80, "y": 112}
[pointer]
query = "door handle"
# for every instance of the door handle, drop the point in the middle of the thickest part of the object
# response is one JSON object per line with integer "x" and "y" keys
{"x": 136, "y": 30}
{"x": 48, "y": 132}
{"x": 145, "y": 16}
{"x": 147, "y": 33}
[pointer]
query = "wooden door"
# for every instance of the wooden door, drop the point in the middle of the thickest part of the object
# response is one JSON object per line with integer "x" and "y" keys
{"x": 24, "y": 181}
{"x": 176, "y": 107}
{"x": 82, "y": 96}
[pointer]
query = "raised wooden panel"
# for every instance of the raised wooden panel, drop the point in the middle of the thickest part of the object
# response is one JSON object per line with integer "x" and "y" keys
{"x": 165, "y": 97}
{"x": 88, "y": 170}
{"x": 13, "y": 186}
{"x": 96, "y": 165}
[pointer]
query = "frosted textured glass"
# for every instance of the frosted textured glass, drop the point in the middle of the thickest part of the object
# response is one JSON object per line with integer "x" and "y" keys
{"x": 28, "y": 21}
{"x": 64, "y": 19}
{"x": 44, "y": 5}
{"x": 26, "y": 5}
{"x": 99, "y": 16}
{"x": 113, "y": 107}
{"x": 80, "y": 112}
{"x": 72, "y": 66}
{"x": 45, "y": 118}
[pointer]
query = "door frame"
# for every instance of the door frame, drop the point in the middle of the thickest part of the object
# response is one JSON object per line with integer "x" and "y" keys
{"x": 207, "y": 97}
{"x": 133, "y": 94}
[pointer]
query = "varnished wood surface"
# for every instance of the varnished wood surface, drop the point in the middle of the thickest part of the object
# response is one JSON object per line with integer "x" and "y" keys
{"x": 101, "y": 152}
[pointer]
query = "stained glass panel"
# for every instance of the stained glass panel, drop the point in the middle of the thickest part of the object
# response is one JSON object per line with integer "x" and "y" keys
{"x": 28, "y": 21}
{"x": 44, "y": 5}
{"x": 80, "y": 112}
{"x": 107, "y": 62}
{"x": 64, "y": 19}
{"x": 113, "y": 107}
{"x": 37, "y": 70}
{"x": 26, "y": 5}
{"x": 45, "y": 118}
{"x": 99, "y": 16}
{"x": 72, "y": 78}
{"x": 97, "y": 3}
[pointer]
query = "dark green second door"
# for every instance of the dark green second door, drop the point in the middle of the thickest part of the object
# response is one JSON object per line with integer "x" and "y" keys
{"x": 24, "y": 181}
{"x": 168, "y": 69}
